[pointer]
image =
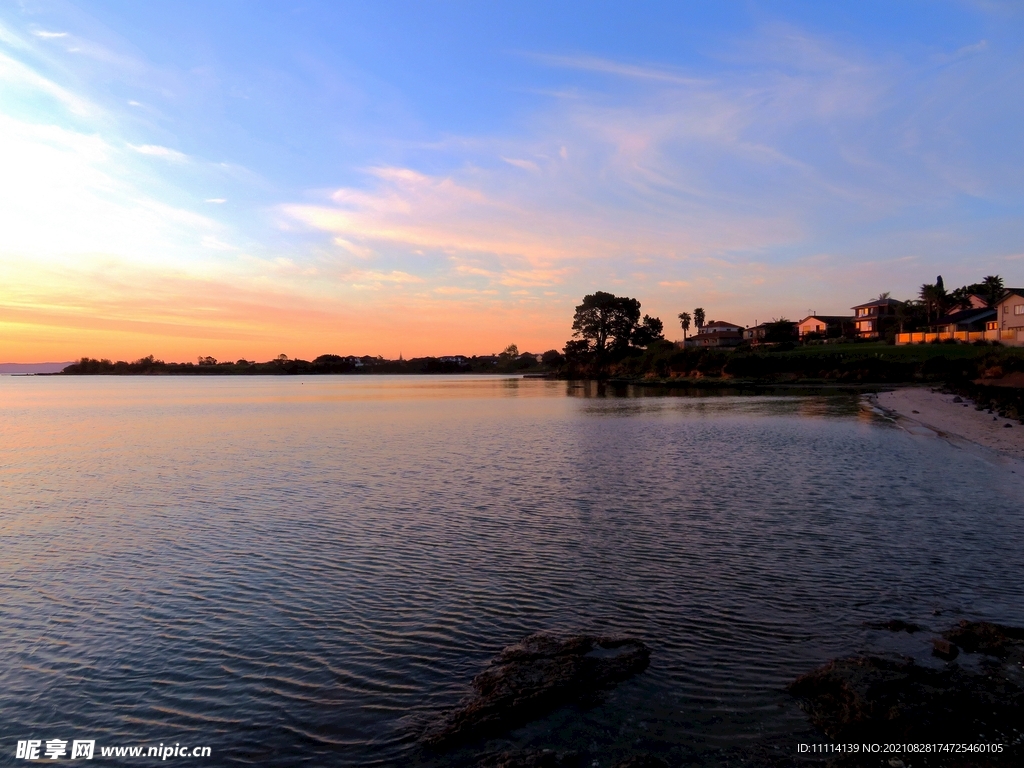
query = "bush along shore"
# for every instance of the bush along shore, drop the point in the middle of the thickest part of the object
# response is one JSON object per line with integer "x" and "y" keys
{"x": 998, "y": 371}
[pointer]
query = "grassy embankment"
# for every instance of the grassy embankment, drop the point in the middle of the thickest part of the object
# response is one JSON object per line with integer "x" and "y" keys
{"x": 851, "y": 364}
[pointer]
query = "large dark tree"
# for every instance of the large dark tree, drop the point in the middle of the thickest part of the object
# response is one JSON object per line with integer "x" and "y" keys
{"x": 606, "y": 326}
{"x": 606, "y": 321}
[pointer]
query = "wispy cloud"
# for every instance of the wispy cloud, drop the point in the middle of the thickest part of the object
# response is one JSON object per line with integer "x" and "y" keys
{"x": 612, "y": 67}
{"x": 46, "y": 35}
{"x": 155, "y": 150}
{"x": 977, "y": 47}
{"x": 526, "y": 165}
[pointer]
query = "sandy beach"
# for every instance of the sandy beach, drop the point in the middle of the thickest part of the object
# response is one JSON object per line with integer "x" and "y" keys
{"x": 941, "y": 414}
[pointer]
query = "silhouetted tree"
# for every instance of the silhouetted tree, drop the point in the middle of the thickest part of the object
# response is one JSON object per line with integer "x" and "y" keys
{"x": 780, "y": 330}
{"x": 605, "y": 320}
{"x": 648, "y": 332}
{"x": 933, "y": 297}
{"x": 992, "y": 289}
{"x": 606, "y": 327}
{"x": 698, "y": 318}
{"x": 684, "y": 321}
{"x": 552, "y": 358}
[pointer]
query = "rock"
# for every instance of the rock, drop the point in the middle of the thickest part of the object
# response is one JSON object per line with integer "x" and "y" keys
{"x": 958, "y": 399}
{"x": 1007, "y": 425}
{"x": 536, "y": 675}
{"x": 896, "y": 625}
{"x": 944, "y": 649}
{"x": 871, "y": 699}
{"x": 985, "y": 637}
{"x": 915, "y": 411}
{"x": 642, "y": 761}
{"x": 545, "y": 758}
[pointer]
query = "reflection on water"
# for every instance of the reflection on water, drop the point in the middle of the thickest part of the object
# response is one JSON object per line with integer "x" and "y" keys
{"x": 302, "y": 571}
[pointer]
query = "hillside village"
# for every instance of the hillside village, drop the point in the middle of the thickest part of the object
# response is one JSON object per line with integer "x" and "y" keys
{"x": 983, "y": 312}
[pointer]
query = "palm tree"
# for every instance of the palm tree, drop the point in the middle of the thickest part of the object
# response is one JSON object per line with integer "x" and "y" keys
{"x": 698, "y": 318}
{"x": 684, "y": 321}
{"x": 933, "y": 296}
{"x": 993, "y": 287}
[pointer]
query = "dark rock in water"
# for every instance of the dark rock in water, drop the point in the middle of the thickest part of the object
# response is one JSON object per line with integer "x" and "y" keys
{"x": 871, "y": 699}
{"x": 958, "y": 399}
{"x": 537, "y": 674}
{"x": 985, "y": 637}
{"x": 896, "y": 625}
{"x": 642, "y": 761}
{"x": 944, "y": 649}
{"x": 545, "y": 758}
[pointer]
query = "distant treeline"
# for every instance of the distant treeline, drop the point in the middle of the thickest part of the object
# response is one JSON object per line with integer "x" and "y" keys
{"x": 509, "y": 361}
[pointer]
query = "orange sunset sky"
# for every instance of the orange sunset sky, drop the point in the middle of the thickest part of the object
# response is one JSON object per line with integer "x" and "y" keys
{"x": 336, "y": 178}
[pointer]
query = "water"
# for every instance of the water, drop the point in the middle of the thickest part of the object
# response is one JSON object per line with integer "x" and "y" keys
{"x": 305, "y": 571}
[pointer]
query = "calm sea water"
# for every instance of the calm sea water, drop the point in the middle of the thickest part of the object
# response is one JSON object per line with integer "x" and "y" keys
{"x": 304, "y": 571}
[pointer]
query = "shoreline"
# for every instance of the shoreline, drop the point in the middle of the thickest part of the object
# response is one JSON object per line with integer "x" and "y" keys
{"x": 922, "y": 410}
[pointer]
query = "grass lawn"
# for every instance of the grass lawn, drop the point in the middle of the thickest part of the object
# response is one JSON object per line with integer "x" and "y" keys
{"x": 909, "y": 353}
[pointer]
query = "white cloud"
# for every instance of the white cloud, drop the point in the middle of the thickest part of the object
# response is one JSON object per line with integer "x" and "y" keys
{"x": 977, "y": 47}
{"x": 526, "y": 165}
{"x": 217, "y": 200}
{"x": 155, "y": 150}
{"x": 48, "y": 35}
{"x": 214, "y": 244}
{"x": 18, "y": 75}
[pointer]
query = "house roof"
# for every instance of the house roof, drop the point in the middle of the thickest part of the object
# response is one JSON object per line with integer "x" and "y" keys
{"x": 1008, "y": 292}
{"x": 721, "y": 324}
{"x": 828, "y": 319}
{"x": 878, "y": 303}
{"x": 965, "y": 316}
{"x": 717, "y": 335}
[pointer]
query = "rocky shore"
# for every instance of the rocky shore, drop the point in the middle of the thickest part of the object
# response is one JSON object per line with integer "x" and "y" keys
{"x": 970, "y": 694}
{"x": 871, "y": 699}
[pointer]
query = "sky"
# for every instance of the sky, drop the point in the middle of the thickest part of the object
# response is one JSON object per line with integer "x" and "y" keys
{"x": 246, "y": 179}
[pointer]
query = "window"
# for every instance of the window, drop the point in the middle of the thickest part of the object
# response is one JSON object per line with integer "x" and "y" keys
{"x": 1018, "y": 309}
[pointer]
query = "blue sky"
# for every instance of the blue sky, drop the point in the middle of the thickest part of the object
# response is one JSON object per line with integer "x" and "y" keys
{"x": 243, "y": 179}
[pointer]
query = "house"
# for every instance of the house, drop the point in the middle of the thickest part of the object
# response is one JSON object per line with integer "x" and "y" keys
{"x": 717, "y": 334}
{"x": 974, "y": 319}
{"x": 755, "y": 334}
{"x": 874, "y": 318}
{"x": 825, "y": 326}
{"x": 775, "y": 332}
{"x": 1010, "y": 314}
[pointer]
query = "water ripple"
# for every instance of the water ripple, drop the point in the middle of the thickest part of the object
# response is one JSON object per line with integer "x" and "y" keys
{"x": 305, "y": 572}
